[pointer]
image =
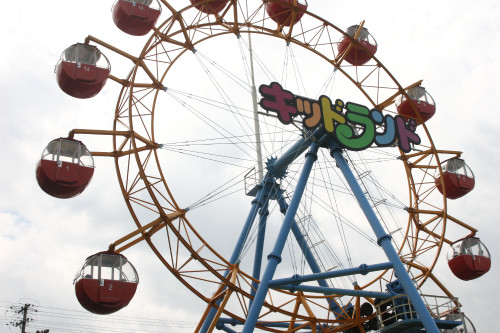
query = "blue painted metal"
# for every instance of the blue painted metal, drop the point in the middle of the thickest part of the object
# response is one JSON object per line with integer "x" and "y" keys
{"x": 362, "y": 269}
{"x": 260, "y": 199}
{"x": 222, "y": 327}
{"x": 306, "y": 251}
{"x": 278, "y": 167}
{"x": 274, "y": 258}
{"x": 259, "y": 247}
{"x": 335, "y": 291}
{"x": 384, "y": 240}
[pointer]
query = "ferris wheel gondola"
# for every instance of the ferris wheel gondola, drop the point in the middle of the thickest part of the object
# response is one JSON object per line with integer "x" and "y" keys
{"x": 469, "y": 258}
{"x": 420, "y": 100}
{"x": 106, "y": 283}
{"x": 458, "y": 178}
{"x": 65, "y": 169}
{"x": 136, "y": 17}
{"x": 358, "y": 54}
{"x": 282, "y": 12}
{"x": 209, "y": 7}
{"x": 82, "y": 71}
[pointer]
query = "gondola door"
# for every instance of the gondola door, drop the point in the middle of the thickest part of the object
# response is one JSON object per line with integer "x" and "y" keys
{"x": 110, "y": 291}
{"x": 67, "y": 172}
{"x": 86, "y": 72}
{"x": 110, "y": 288}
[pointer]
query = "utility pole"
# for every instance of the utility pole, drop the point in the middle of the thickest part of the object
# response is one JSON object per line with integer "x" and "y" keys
{"x": 23, "y": 311}
{"x": 21, "y": 317}
{"x": 21, "y": 323}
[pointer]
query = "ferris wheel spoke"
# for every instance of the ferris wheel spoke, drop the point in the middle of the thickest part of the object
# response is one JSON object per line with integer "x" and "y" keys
{"x": 230, "y": 137}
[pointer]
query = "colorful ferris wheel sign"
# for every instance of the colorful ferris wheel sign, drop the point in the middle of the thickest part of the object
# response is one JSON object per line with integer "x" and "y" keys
{"x": 355, "y": 126}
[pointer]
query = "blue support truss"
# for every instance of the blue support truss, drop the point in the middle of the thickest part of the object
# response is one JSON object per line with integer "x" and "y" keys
{"x": 269, "y": 190}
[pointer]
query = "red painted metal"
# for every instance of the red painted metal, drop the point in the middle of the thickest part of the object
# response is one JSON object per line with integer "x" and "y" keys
{"x": 102, "y": 291}
{"x": 467, "y": 267}
{"x": 458, "y": 178}
{"x": 100, "y": 299}
{"x": 81, "y": 72}
{"x": 426, "y": 110}
{"x": 419, "y": 101}
{"x": 469, "y": 259}
{"x": 283, "y": 14}
{"x": 61, "y": 172}
{"x": 74, "y": 82}
{"x": 135, "y": 18}
{"x": 212, "y": 7}
{"x": 456, "y": 185}
{"x": 358, "y": 54}
{"x": 65, "y": 181}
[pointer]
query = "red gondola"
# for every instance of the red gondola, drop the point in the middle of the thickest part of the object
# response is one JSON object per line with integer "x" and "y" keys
{"x": 358, "y": 55}
{"x": 136, "y": 17}
{"x": 468, "y": 258}
{"x": 209, "y": 7}
{"x": 106, "y": 283}
{"x": 421, "y": 100}
{"x": 82, "y": 71}
{"x": 282, "y": 11}
{"x": 65, "y": 169}
{"x": 457, "y": 177}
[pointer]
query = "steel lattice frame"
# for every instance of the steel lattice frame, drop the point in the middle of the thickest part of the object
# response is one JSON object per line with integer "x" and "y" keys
{"x": 159, "y": 218}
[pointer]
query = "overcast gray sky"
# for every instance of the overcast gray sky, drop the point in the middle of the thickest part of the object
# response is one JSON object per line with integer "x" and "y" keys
{"x": 452, "y": 45}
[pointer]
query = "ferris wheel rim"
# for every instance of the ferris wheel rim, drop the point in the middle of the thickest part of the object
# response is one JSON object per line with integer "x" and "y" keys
{"x": 154, "y": 153}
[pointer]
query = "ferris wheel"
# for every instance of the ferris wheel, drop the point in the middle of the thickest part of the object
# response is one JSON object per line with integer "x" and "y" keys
{"x": 251, "y": 130}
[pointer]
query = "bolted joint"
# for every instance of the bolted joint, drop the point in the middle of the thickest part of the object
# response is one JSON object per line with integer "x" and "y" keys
{"x": 274, "y": 255}
{"x": 259, "y": 199}
{"x": 264, "y": 212}
{"x": 296, "y": 280}
{"x": 383, "y": 239}
{"x": 281, "y": 200}
{"x": 335, "y": 150}
{"x": 313, "y": 155}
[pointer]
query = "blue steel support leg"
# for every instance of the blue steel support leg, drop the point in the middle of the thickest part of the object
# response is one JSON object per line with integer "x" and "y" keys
{"x": 274, "y": 257}
{"x": 384, "y": 240}
{"x": 261, "y": 199}
{"x": 299, "y": 237}
{"x": 259, "y": 247}
{"x": 306, "y": 251}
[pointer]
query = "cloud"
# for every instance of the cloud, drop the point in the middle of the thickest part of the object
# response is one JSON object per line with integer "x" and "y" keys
{"x": 44, "y": 241}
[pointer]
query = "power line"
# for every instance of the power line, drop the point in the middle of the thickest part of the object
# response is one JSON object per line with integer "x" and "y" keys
{"x": 58, "y": 320}
{"x": 21, "y": 316}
